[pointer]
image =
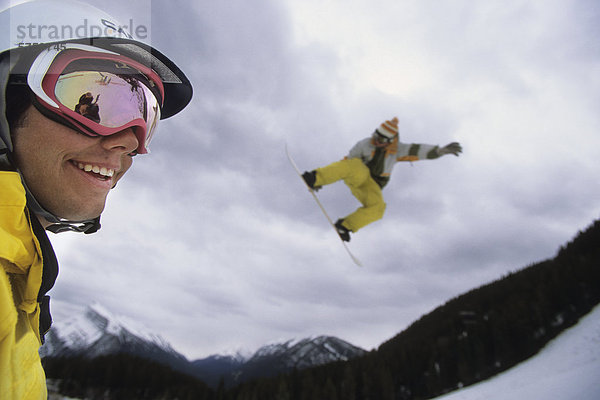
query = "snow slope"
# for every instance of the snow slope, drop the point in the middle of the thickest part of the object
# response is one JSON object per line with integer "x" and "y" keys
{"x": 568, "y": 368}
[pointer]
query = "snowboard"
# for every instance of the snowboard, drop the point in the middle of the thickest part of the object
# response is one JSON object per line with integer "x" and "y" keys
{"x": 314, "y": 195}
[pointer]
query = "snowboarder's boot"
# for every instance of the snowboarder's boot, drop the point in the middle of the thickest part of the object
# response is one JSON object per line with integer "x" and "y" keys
{"x": 310, "y": 178}
{"x": 342, "y": 230}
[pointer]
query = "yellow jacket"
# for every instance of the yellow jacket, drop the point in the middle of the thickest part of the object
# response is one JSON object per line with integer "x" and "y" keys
{"x": 21, "y": 374}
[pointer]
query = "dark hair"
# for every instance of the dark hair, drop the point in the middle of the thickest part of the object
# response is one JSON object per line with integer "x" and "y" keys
{"x": 18, "y": 100}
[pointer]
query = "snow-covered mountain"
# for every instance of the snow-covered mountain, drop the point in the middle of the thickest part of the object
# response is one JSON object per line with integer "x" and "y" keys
{"x": 95, "y": 332}
{"x": 299, "y": 354}
{"x": 276, "y": 358}
{"x": 307, "y": 352}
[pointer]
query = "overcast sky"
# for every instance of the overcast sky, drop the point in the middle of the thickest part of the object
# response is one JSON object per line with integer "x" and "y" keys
{"x": 213, "y": 242}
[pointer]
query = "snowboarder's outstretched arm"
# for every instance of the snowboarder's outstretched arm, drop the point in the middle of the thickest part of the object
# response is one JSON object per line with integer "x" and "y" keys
{"x": 419, "y": 151}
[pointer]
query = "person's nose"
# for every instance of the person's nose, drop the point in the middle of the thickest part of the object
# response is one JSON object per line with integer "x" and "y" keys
{"x": 124, "y": 141}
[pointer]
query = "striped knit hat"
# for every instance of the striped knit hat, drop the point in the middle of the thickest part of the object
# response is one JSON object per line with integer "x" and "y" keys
{"x": 389, "y": 129}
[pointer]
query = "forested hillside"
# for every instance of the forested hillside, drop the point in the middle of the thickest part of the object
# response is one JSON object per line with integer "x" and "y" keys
{"x": 121, "y": 377}
{"x": 470, "y": 338}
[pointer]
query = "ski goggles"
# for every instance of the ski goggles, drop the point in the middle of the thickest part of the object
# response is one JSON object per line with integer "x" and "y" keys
{"x": 378, "y": 137}
{"x": 97, "y": 92}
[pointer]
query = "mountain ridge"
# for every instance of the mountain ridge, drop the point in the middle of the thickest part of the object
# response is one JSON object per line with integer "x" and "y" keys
{"x": 294, "y": 354}
{"x": 96, "y": 332}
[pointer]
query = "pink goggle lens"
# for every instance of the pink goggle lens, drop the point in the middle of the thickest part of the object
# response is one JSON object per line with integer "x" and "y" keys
{"x": 105, "y": 102}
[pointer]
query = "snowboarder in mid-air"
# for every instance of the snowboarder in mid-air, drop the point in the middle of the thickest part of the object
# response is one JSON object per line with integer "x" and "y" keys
{"x": 367, "y": 169}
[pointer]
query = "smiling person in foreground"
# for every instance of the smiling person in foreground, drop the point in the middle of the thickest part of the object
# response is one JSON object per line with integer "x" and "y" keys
{"x": 75, "y": 111}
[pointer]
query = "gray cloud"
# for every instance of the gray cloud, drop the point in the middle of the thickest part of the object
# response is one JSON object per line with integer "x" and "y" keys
{"x": 213, "y": 241}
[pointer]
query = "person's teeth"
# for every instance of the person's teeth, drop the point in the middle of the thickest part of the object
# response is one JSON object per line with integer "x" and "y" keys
{"x": 106, "y": 172}
{"x": 98, "y": 170}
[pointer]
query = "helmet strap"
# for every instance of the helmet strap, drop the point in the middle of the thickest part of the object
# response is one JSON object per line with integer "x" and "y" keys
{"x": 57, "y": 224}
{"x": 87, "y": 227}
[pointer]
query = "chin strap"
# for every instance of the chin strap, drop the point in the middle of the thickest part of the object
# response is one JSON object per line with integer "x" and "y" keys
{"x": 87, "y": 227}
{"x": 58, "y": 225}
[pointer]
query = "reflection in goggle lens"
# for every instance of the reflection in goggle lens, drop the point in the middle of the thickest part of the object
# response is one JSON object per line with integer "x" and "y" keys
{"x": 108, "y": 99}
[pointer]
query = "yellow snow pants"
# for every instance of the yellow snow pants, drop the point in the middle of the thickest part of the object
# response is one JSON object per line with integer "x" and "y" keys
{"x": 357, "y": 177}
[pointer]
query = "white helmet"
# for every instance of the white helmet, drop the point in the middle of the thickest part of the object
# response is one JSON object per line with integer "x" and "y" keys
{"x": 28, "y": 28}
{"x": 43, "y": 22}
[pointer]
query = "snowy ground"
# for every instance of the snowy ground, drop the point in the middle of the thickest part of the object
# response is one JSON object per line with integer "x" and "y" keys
{"x": 568, "y": 368}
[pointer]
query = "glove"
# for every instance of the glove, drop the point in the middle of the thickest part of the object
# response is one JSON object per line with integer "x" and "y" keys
{"x": 452, "y": 148}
